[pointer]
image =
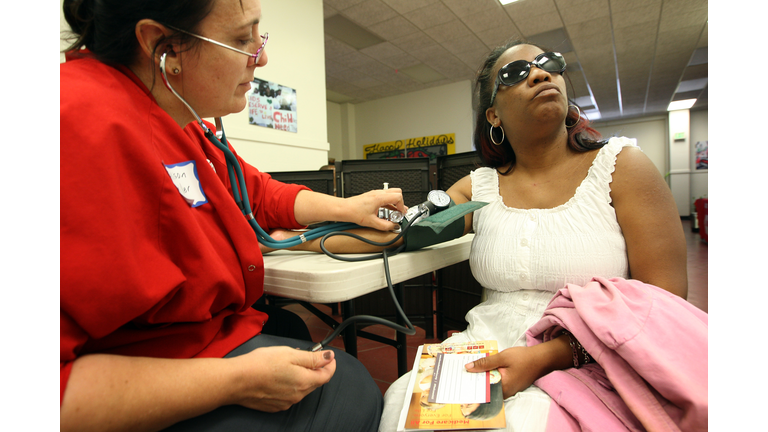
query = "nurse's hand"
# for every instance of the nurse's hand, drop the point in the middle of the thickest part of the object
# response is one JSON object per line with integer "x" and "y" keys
{"x": 364, "y": 209}
{"x": 273, "y": 379}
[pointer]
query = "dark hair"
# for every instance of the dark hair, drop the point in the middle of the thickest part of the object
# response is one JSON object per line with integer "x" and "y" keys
{"x": 107, "y": 27}
{"x": 581, "y": 137}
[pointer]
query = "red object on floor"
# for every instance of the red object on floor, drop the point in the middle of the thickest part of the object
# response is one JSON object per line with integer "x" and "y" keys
{"x": 702, "y": 206}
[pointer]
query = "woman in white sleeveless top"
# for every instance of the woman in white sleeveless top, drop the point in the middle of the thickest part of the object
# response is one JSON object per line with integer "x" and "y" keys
{"x": 563, "y": 207}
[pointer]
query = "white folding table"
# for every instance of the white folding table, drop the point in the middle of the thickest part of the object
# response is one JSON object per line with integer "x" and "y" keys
{"x": 316, "y": 278}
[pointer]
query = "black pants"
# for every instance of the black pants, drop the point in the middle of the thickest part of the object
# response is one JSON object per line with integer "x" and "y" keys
{"x": 350, "y": 401}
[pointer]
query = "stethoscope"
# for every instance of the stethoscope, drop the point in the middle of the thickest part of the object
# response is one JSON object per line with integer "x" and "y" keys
{"x": 240, "y": 193}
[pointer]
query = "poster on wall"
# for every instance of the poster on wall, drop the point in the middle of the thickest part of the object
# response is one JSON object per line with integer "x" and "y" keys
{"x": 428, "y": 146}
{"x": 272, "y": 105}
{"x": 702, "y": 155}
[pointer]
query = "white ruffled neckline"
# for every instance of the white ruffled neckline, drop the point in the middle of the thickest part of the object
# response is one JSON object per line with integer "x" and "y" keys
{"x": 602, "y": 166}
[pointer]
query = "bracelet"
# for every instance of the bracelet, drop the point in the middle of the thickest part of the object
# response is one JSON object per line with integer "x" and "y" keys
{"x": 576, "y": 348}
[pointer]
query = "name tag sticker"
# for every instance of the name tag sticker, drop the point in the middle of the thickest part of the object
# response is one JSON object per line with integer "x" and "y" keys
{"x": 184, "y": 177}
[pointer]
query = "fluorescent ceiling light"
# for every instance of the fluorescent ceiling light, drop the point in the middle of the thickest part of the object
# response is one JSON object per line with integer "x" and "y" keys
{"x": 681, "y": 104}
{"x": 507, "y": 1}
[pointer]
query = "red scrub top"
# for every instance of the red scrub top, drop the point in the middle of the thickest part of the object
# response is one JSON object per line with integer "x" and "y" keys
{"x": 156, "y": 258}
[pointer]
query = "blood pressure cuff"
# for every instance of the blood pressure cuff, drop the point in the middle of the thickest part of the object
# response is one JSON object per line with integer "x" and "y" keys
{"x": 439, "y": 227}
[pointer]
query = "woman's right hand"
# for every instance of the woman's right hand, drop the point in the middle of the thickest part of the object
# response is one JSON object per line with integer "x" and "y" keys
{"x": 273, "y": 379}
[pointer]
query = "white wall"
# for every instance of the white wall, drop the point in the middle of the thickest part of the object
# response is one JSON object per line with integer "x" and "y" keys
{"x": 677, "y": 162}
{"x": 335, "y": 135}
{"x": 434, "y": 111}
{"x": 296, "y": 44}
{"x": 651, "y": 135}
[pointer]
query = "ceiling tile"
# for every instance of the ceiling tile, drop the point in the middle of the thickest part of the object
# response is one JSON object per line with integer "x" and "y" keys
{"x": 555, "y": 40}
{"x": 394, "y": 28}
{"x": 574, "y": 12}
{"x": 535, "y": 24}
{"x": 341, "y": 4}
{"x": 473, "y": 59}
{"x": 400, "y": 61}
{"x": 521, "y": 9}
{"x": 469, "y": 43}
{"x": 430, "y": 16}
{"x": 335, "y": 48}
{"x": 695, "y": 72}
{"x": 618, "y": 6}
{"x": 464, "y": 8}
{"x": 414, "y": 41}
{"x": 591, "y": 35}
{"x": 367, "y": 82}
{"x": 349, "y": 32}
{"x": 644, "y": 13}
{"x": 382, "y": 50}
{"x": 651, "y": 41}
{"x": 357, "y": 61}
{"x": 405, "y": 6}
{"x": 449, "y": 30}
{"x": 485, "y": 19}
{"x": 328, "y": 10}
{"x": 369, "y": 12}
{"x": 498, "y": 36}
{"x": 704, "y": 38}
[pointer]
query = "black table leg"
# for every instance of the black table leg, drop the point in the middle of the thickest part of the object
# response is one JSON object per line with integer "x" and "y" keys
{"x": 350, "y": 333}
{"x": 401, "y": 338}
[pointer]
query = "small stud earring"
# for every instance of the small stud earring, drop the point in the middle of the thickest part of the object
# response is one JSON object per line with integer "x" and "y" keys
{"x": 176, "y": 71}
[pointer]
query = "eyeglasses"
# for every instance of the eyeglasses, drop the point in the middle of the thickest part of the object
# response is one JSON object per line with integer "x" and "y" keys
{"x": 252, "y": 58}
{"x": 516, "y": 71}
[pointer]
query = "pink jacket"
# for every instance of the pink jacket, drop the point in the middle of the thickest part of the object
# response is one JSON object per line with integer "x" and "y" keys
{"x": 651, "y": 352}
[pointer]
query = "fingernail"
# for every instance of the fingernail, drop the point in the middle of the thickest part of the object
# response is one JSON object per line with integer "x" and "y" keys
{"x": 327, "y": 355}
{"x": 469, "y": 365}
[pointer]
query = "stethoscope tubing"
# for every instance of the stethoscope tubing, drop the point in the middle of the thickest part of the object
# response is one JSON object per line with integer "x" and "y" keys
{"x": 240, "y": 194}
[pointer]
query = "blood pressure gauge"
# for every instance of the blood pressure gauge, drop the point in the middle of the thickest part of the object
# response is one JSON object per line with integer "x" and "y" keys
{"x": 437, "y": 200}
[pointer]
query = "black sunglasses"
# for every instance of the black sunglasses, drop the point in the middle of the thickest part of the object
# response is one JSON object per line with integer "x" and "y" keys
{"x": 516, "y": 71}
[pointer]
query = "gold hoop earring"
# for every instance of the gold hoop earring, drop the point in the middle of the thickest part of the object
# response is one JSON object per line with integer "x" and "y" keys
{"x": 490, "y": 132}
{"x": 578, "y": 119}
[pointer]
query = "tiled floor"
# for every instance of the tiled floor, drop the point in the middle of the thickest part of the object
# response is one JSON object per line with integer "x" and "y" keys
{"x": 380, "y": 359}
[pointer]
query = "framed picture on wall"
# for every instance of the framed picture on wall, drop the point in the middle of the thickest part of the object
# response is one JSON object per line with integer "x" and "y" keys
{"x": 272, "y": 105}
{"x": 702, "y": 155}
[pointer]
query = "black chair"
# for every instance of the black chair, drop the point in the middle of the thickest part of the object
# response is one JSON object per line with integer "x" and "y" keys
{"x": 457, "y": 291}
{"x": 409, "y": 174}
{"x": 452, "y": 168}
{"x": 412, "y": 176}
{"x": 319, "y": 181}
